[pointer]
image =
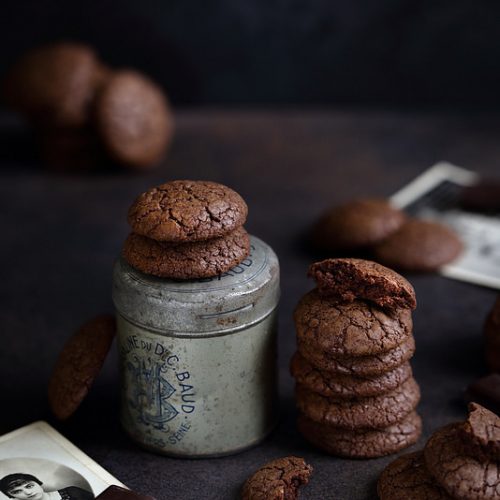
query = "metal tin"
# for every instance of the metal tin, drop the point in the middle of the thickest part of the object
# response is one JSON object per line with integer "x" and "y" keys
{"x": 198, "y": 358}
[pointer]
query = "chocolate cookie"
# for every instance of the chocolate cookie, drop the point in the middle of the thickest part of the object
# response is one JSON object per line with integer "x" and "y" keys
{"x": 463, "y": 476}
{"x": 55, "y": 84}
{"x": 78, "y": 364}
{"x": 482, "y": 431}
{"x": 419, "y": 246}
{"x": 492, "y": 338}
{"x": 277, "y": 480}
{"x": 359, "y": 223}
{"x": 200, "y": 259}
{"x": 352, "y": 329}
{"x": 133, "y": 119}
{"x": 351, "y": 279}
{"x": 182, "y": 210}
{"x": 408, "y": 478}
{"x": 363, "y": 443}
{"x": 375, "y": 412}
{"x": 359, "y": 365}
{"x": 346, "y": 386}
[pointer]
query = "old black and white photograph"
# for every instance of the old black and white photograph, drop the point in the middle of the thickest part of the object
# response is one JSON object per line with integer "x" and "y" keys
{"x": 38, "y": 463}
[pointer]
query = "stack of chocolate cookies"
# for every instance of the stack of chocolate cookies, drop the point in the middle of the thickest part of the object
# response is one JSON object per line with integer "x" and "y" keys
{"x": 187, "y": 229}
{"x": 355, "y": 389}
{"x": 460, "y": 461}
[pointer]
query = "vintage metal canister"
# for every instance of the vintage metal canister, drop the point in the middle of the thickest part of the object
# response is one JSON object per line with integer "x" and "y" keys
{"x": 198, "y": 358}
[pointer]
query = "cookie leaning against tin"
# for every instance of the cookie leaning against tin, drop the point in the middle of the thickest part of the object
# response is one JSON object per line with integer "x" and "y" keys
{"x": 78, "y": 364}
{"x": 408, "y": 478}
{"x": 184, "y": 210}
{"x": 277, "y": 480}
{"x": 330, "y": 384}
{"x": 364, "y": 443}
{"x": 353, "y": 329}
{"x": 200, "y": 259}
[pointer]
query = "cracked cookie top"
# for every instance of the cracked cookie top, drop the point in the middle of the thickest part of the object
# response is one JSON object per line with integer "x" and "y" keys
{"x": 184, "y": 210}
{"x": 277, "y": 480}
{"x": 354, "y": 329}
{"x": 349, "y": 279}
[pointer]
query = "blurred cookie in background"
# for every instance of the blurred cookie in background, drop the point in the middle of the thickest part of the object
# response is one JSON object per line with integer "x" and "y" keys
{"x": 85, "y": 114}
{"x": 419, "y": 246}
{"x": 55, "y": 84}
{"x": 356, "y": 224}
{"x": 133, "y": 119}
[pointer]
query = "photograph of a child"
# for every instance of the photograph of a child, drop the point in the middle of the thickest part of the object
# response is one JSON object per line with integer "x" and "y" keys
{"x": 38, "y": 463}
{"x": 23, "y": 486}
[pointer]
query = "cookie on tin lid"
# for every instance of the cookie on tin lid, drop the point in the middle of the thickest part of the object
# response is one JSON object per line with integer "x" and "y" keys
{"x": 420, "y": 246}
{"x": 349, "y": 279}
{"x": 277, "y": 480}
{"x": 78, "y": 364}
{"x": 186, "y": 210}
{"x": 55, "y": 84}
{"x": 357, "y": 224}
{"x": 199, "y": 259}
{"x": 133, "y": 119}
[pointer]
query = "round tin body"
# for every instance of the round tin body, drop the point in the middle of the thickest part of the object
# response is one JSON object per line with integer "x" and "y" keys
{"x": 198, "y": 358}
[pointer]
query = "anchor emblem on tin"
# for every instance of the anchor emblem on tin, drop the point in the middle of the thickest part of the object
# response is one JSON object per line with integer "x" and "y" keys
{"x": 150, "y": 393}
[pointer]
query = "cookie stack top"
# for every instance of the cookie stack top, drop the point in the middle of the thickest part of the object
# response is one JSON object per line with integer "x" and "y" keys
{"x": 187, "y": 229}
{"x": 460, "y": 461}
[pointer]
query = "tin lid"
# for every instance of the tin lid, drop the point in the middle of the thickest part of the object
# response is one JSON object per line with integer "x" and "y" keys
{"x": 210, "y": 306}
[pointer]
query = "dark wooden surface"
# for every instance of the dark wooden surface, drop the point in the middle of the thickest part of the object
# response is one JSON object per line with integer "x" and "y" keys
{"x": 61, "y": 233}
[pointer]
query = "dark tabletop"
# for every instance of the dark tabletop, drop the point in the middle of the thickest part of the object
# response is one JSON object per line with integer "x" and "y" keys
{"x": 60, "y": 234}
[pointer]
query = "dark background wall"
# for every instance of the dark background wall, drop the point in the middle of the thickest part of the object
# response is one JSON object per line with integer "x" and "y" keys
{"x": 402, "y": 53}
